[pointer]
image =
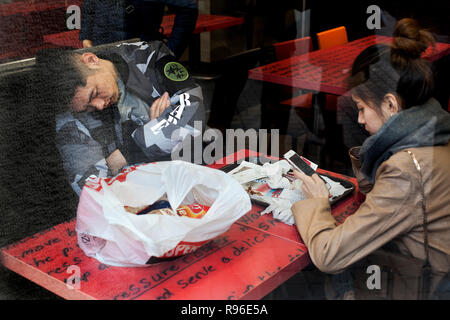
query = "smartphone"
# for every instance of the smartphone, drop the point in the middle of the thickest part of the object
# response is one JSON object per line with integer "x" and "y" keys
{"x": 298, "y": 163}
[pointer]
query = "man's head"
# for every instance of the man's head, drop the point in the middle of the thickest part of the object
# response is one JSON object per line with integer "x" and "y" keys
{"x": 78, "y": 82}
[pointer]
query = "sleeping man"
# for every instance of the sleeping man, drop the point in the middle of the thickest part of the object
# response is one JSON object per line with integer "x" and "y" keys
{"x": 132, "y": 103}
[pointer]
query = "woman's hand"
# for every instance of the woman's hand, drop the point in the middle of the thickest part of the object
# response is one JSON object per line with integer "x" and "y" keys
{"x": 159, "y": 106}
{"x": 313, "y": 187}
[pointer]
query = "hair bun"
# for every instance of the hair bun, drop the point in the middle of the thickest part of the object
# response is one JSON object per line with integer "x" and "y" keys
{"x": 409, "y": 39}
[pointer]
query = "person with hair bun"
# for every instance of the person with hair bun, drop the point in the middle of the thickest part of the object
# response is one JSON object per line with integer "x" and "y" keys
{"x": 403, "y": 168}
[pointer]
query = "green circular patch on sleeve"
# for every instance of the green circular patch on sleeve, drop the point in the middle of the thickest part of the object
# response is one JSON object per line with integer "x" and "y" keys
{"x": 175, "y": 71}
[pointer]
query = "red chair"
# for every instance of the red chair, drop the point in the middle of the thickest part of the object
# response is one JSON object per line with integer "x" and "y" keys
{"x": 332, "y": 38}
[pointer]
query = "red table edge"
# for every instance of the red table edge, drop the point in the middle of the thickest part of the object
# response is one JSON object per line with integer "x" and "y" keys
{"x": 53, "y": 285}
{"x": 442, "y": 54}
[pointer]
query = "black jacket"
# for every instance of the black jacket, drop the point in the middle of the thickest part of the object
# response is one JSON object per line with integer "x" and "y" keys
{"x": 85, "y": 139}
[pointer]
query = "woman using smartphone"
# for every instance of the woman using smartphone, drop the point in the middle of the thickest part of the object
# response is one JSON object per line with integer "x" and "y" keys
{"x": 403, "y": 167}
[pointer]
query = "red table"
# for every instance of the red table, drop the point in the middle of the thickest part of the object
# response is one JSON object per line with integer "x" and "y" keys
{"x": 326, "y": 70}
{"x": 251, "y": 259}
{"x": 205, "y": 23}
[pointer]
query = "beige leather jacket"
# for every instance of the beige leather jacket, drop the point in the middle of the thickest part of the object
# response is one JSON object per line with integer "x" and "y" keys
{"x": 392, "y": 211}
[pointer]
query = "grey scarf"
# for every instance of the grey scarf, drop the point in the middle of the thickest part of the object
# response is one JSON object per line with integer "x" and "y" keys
{"x": 419, "y": 126}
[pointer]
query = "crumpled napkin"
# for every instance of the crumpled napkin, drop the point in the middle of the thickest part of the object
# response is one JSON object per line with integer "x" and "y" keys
{"x": 281, "y": 209}
{"x": 281, "y": 206}
{"x": 275, "y": 172}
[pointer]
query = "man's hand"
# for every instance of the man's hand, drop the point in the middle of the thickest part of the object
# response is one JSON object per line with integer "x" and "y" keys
{"x": 87, "y": 43}
{"x": 159, "y": 106}
{"x": 116, "y": 161}
{"x": 313, "y": 187}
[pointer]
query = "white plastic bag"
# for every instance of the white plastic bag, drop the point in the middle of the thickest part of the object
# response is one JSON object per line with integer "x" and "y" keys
{"x": 107, "y": 232}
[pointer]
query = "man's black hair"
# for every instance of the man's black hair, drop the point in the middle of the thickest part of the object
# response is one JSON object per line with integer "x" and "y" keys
{"x": 57, "y": 76}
